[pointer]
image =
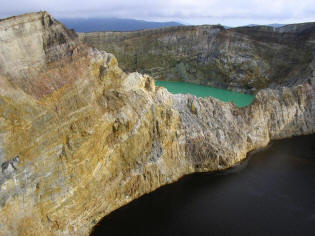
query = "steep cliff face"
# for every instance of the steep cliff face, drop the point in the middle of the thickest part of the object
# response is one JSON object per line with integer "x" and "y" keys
{"x": 242, "y": 59}
{"x": 80, "y": 138}
{"x": 29, "y": 43}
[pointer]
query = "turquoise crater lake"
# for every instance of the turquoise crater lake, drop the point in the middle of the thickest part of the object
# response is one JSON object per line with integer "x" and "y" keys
{"x": 239, "y": 99}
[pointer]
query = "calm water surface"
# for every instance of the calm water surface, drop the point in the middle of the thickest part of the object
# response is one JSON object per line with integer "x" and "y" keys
{"x": 273, "y": 193}
{"x": 239, "y": 99}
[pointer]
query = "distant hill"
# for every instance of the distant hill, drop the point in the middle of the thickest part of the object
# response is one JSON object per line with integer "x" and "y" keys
{"x": 271, "y": 25}
{"x": 277, "y": 25}
{"x": 112, "y": 24}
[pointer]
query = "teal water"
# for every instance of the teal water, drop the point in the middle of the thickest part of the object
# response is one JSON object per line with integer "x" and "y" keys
{"x": 239, "y": 99}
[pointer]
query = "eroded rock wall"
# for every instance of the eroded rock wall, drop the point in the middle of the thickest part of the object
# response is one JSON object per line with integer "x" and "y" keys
{"x": 28, "y": 44}
{"x": 85, "y": 138}
{"x": 241, "y": 59}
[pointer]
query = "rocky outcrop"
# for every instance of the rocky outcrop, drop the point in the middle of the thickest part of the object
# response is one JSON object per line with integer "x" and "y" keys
{"x": 80, "y": 138}
{"x": 28, "y": 44}
{"x": 242, "y": 59}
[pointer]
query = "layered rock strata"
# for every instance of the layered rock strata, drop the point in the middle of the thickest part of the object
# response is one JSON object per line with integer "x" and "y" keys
{"x": 241, "y": 59}
{"x": 80, "y": 138}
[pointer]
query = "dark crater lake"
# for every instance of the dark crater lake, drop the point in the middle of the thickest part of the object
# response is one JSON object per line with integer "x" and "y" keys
{"x": 271, "y": 193}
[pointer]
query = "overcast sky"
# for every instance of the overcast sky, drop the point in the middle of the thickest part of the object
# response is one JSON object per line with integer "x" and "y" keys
{"x": 225, "y": 12}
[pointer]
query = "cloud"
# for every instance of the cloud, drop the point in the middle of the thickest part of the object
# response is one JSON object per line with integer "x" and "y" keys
{"x": 231, "y": 12}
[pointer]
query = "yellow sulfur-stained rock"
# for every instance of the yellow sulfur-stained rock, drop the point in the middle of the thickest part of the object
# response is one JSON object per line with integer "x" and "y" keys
{"x": 79, "y": 138}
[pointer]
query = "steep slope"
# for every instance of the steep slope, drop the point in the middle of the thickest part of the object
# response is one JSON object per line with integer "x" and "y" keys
{"x": 245, "y": 58}
{"x": 29, "y": 44}
{"x": 80, "y": 138}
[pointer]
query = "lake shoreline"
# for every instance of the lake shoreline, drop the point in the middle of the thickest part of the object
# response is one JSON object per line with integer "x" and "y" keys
{"x": 176, "y": 87}
{"x": 221, "y": 197}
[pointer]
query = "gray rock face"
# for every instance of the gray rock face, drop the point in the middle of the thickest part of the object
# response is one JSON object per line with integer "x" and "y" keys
{"x": 226, "y": 133}
{"x": 242, "y": 59}
{"x": 28, "y": 43}
{"x": 8, "y": 167}
{"x": 20, "y": 37}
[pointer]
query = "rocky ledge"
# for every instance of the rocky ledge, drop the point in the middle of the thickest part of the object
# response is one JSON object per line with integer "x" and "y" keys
{"x": 79, "y": 138}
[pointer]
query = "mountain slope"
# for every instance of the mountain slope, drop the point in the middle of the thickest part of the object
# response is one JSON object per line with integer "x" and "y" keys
{"x": 112, "y": 24}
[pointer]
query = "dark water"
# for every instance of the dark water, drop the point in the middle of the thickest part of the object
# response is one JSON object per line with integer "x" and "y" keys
{"x": 273, "y": 193}
{"x": 239, "y": 99}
